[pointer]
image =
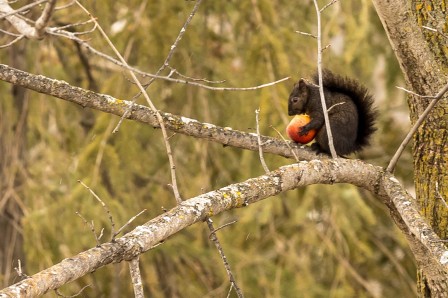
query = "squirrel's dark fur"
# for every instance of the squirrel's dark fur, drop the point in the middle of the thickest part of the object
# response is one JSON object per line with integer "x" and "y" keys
{"x": 350, "y": 110}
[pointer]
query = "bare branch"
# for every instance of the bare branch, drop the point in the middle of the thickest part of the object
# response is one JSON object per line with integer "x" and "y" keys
{"x": 435, "y": 30}
{"x": 221, "y": 227}
{"x": 178, "y": 124}
{"x": 168, "y": 58}
{"x": 335, "y": 105}
{"x": 83, "y": 43}
{"x": 321, "y": 85}
{"x": 413, "y": 93}
{"x": 260, "y": 150}
{"x": 215, "y": 240}
{"x": 425, "y": 243}
{"x": 12, "y": 42}
{"x": 230, "y": 290}
{"x": 92, "y": 228}
{"x": 106, "y": 209}
{"x": 71, "y": 3}
{"x": 145, "y": 94}
{"x": 127, "y": 224}
{"x": 326, "y": 47}
{"x": 307, "y": 34}
{"x": 440, "y": 196}
{"x": 10, "y": 33}
{"x": 136, "y": 277}
{"x": 6, "y": 12}
{"x": 328, "y": 5}
{"x": 19, "y": 269}
{"x": 178, "y": 39}
{"x": 22, "y": 26}
{"x": 248, "y": 88}
{"x": 42, "y": 21}
{"x": 71, "y": 296}
{"x": 287, "y": 144}
{"x": 173, "y": 70}
{"x": 74, "y": 25}
{"x": 414, "y": 128}
{"x": 19, "y": 24}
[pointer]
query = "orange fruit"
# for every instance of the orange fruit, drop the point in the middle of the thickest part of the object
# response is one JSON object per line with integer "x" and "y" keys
{"x": 295, "y": 126}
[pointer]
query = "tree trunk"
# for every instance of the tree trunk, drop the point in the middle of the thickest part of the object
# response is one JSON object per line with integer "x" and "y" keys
{"x": 417, "y": 32}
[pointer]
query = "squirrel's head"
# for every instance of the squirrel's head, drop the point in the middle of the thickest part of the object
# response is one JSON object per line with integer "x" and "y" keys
{"x": 298, "y": 98}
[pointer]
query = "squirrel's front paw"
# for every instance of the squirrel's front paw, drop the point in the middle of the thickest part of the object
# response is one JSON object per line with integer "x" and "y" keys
{"x": 304, "y": 131}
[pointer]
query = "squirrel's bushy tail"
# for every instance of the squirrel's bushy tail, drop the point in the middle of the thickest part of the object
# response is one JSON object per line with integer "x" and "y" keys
{"x": 361, "y": 98}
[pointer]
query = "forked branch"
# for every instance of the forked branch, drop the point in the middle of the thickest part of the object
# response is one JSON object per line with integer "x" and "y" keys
{"x": 427, "y": 246}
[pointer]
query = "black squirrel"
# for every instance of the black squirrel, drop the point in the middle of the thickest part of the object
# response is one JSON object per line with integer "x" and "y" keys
{"x": 350, "y": 110}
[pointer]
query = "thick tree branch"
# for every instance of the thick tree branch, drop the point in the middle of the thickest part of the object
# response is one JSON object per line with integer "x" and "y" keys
{"x": 191, "y": 127}
{"x": 425, "y": 244}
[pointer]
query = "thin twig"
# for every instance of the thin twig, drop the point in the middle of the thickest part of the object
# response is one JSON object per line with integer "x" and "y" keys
{"x": 215, "y": 240}
{"x": 145, "y": 94}
{"x": 440, "y": 195}
{"x": 91, "y": 226}
{"x": 127, "y": 224}
{"x": 72, "y": 25}
{"x": 221, "y": 227}
{"x": 173, "y": 70}
{"x": 260, "y": 150}
{"x": 75, "y": 295}
{"x": 78, "y": 33}
{"x": 125, "y": 114}
{"x": 413, "y": 93}
{"x": 326, "y": 47}
{"x": 170, "y": 54}
{"x": 12, "y": 42}
{"x": 414, "y": 128}
{"x": 10, "y": 33}
{"x": 335, "y": 105}
{"x": 307, "y": 34}
{"x": 435, "y": 30}
{"x": 176, "y": 42}
{"x": 321, "y": 86}
{"x": 71, "y": 36}
{"x": 249, "y": 88}
{"x": 327, "y": 5}
{"x": 65, "y": 6}
{"x": 106, "y": 209}
{"x": 136, "y": 277}
{"x": 230, "y": 290}
{"x": 429, "y": 28}
{"x": 19, "y": 270}
{"x": 287, "y": 144}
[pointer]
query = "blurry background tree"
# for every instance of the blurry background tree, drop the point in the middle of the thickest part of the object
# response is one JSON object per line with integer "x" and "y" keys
{"x": 320, "y": 241}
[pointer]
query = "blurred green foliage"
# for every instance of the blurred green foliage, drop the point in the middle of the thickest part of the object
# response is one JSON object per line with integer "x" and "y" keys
{"x": 321, "y": 241}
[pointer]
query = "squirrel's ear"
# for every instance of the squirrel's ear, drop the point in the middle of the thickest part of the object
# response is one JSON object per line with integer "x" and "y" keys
{"x": 302, "y": 84}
